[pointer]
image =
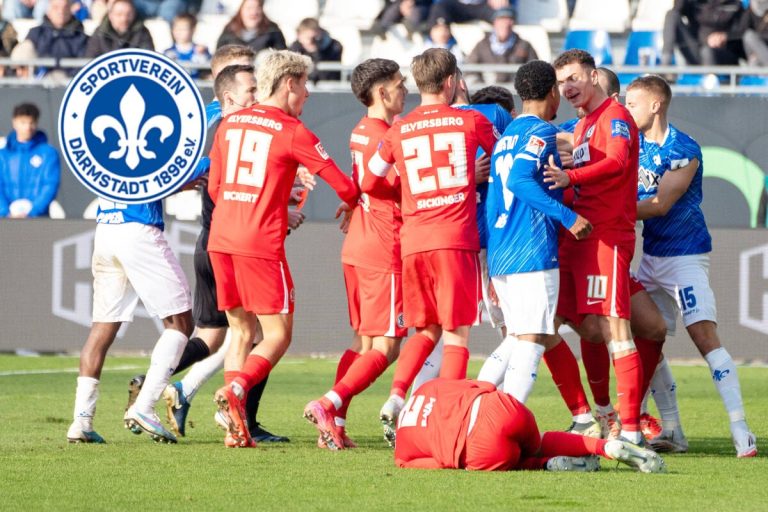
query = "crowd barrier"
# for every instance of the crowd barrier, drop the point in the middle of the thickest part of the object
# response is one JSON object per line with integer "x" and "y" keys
{"x": 46, "y": 291}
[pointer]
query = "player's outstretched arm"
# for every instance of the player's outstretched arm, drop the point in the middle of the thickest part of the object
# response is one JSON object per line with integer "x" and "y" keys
{"x": 523, "y": 185}
{"x": 617, "y": 158}
{"x": 671, "y": 188}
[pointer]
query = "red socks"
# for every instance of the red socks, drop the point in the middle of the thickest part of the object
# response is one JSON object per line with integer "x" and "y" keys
{"x": 565, "y": 372}
{"x": 412, "y": 357}
{"x": 572, "y": 445}
{"x": 597, "y": 363}
{"x": 629, "y": 379}
{"x": 365, "y": 370}
{"x": 254, "y": 370}
{"x": 455, "y": 360}
{"x": 347, "y": 358}
{"x": 229, "y": 377}
{"x": 649, "y": 351}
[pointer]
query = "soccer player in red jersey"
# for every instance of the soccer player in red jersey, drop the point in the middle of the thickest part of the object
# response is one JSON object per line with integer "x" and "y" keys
{"x": 370, "y": 255}
{"x": 434, "y": 146}
{"x": 464, "y": 424}
{"x": 254, "y": 160}
{"x": 594, "y": 282}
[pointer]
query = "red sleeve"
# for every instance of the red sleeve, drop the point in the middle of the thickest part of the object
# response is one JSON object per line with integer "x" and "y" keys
{"x": 616, "y": 160}
{"x": 214, "y": 174}
{"x": 486, "y": 133}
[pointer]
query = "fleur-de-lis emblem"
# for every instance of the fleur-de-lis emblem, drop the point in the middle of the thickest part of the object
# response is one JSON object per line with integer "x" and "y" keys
{"x": 131, "y": 132}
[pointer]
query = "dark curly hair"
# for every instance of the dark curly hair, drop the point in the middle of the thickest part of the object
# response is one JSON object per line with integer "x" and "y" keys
{"x": 369, "y": 73}
{"x": 534, "y": 80}
{"x": 494, "y": 94}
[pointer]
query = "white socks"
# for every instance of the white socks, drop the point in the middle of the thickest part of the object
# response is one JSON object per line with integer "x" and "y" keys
{"x": 202, "y": 371}
{"x": 726, "y": 381}
{"x": 664, "y": 391}
{"x": 165, "y": 358}
{"x": 496, "y": 365}
{"x": 86, "y": 395}
{"x": 522, "y": 369}
{"x": 431, "y": 367}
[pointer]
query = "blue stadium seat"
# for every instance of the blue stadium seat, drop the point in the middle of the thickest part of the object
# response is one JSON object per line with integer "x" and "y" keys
{"x": 754, "y": 80}
{"x": 596, "y": 42}
{"x": 643, "y": 49}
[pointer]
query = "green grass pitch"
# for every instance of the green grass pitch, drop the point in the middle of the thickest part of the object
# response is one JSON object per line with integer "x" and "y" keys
{"x": 39, "y": 470}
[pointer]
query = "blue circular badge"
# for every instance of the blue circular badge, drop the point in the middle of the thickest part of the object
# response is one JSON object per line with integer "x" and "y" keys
{"x": 132, "y": 126}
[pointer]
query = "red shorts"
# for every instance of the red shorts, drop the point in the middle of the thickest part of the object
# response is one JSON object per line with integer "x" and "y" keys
{"x": 260, "y": 286}
{"x": 375, "y": 301}
{"x": 635, "y": 286}
{"x": 442, "y": 287}
{"x": 594, "y": 279}
{"x": 505, "y": 431}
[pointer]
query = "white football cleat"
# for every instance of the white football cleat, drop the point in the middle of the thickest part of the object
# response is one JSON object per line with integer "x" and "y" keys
{"x": 388, "y": 416}
{"x": 670, "y": 441}
{"x": 642, "y": 459}
{"x": 564, "y": 463}
{"x": 745, "y": 443}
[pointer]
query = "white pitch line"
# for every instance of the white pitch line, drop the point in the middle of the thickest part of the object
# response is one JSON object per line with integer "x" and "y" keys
{"x": 65, "y": 370}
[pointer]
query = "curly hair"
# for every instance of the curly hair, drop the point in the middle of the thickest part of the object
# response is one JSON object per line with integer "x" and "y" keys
{"x": 534, "y": 80}
{"x": 494, "y": 94}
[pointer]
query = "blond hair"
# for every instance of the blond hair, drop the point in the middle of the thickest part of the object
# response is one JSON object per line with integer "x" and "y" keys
{"x": 277, "y": 64}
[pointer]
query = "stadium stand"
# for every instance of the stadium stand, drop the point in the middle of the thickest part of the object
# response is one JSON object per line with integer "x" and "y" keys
{"x": 643, "y": 49}
{"x": 397, "y": 45}
{"x": 288, "y": 19}
{"x": 160, "y": 32}
{"x": 552, "y": 15}
{"x": 650, "y": 14}
{"x": 358, "y": 13}
{"x": 539, "y": 39}
{"x": 469, "y": 34}
{"x": 610, "y": 16}
{"x": 596, "y": 42}
{"x": 209, "y": 28}
{"x": 351, "y": 40}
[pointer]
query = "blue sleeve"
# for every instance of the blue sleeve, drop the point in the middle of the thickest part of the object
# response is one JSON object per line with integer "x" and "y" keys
{"x": 522, "y": 183}
{"x": 4, "y": 203}
{"x": 49, "y": 185}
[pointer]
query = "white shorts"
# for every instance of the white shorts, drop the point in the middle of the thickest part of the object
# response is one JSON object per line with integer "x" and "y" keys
{"x": 529, "y": 301}
{"x": 679, "y": 284}
{"x": 494, "y": 313}
{"x": 133, "y": 261}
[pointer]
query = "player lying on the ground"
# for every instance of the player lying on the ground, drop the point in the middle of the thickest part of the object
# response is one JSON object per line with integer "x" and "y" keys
{"x": 465, "y": 424}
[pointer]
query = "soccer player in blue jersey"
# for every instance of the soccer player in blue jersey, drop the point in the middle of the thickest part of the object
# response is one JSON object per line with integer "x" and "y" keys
{"x": 676, "y": 244}
{"x": 523, "y": 220}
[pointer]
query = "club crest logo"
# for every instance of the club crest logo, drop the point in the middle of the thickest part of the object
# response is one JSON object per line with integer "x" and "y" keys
{"x": 132, "y": 126}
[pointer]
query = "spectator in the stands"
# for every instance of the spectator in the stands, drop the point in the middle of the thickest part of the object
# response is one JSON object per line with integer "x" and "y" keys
{"x": 755, "y": 25}
{"x": 706, "y": 32}
{"x": 315, "y": 42}
{"x": 166, "y": 9}
{"x": 8, "y": 41}
{"x": 119, "y": 29}
{"x": 462, "y": 11}
{"x": 17, "y": 9}
{"x": 184, "y": 49}
{"x": 502, "y": 46}
{"x": 440, "y": 36}
{"x": 251, "y": 27}
{"x": 60, "y": 35}
{"x": 29, "y": 167}
{"x": 411, "y": 13}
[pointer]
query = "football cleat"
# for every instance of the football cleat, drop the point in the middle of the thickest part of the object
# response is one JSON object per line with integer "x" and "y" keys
{"x": 642, "y": 459}
{"x": 76, "y": 434}
{"x": 670, "y": 441}
{"x": 232, "y": 413}
{"x": 176, "y": 407}
{"x": 348, "y": 442}
{"x": 323, "y": 420}
{"x": 231, "y": 442}
{"x": 564, "y": 463}
{"x": 588, "y": 429}
{"x": 745, "y": 443}
{"x": 610, "y": 425}
{"x": 261, "y": 435}
{"x": 649, "y": 426}
{"x": 150, "y": 424}
{"x": 134, "y": 386}
{"x": 388, "y": 416}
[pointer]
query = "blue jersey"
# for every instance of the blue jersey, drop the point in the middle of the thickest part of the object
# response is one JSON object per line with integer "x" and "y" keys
{"x": 500, "y": 119}
{"x": 683, "y": 229}
{"x": 523, "y": 214}
{"x": 151, "y": 214}
{"x": 569, "y": 125}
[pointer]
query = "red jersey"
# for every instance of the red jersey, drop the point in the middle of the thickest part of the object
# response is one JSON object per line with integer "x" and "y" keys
{"x": 434, "y": 147}
{"x": 254, "y": 159}
{"x": 373, "y": 239}
{"x": 606, "y": 149}
{"x": 435, "y": 420}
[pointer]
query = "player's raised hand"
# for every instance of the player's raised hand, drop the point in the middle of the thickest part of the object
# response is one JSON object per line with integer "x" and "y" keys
{"x": 482, "y": 169}
{"x": 345, "y": 212}
{"x": 565, "y": 149}
{"x": 555, "y": 175}
{"x": 581, "y": 228}
{"x": 306, "y": 178}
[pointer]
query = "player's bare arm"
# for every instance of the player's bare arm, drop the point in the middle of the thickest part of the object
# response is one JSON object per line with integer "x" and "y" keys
{"x": 671, "y": 188}
{"x": 581, "y": 228}
{"x": 482, "y": 169}
{"x": 565, "y": 149}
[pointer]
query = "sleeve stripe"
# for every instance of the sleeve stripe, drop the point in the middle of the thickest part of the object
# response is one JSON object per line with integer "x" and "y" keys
{"x": 378, "y": 166}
